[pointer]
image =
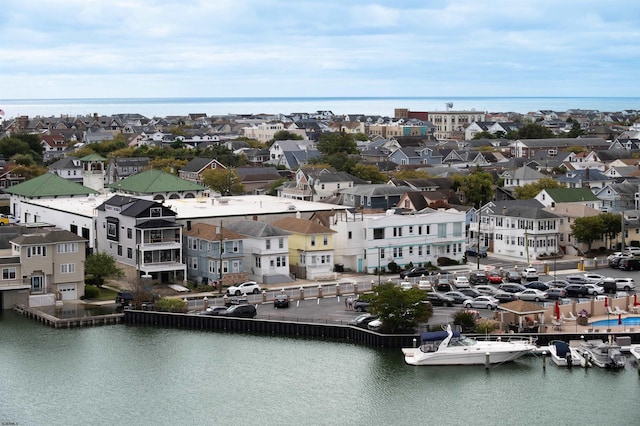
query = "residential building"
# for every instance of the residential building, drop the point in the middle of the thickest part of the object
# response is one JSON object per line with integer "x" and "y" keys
{"x": 143, "y": 237}
{"x": 553, "y": 196}
{"x": 524, "y": 175}
{"x": 451, "y": 124}
{"x": 311, "y": 254}
{"x": 194, "y": 169}
{"x": 214, "y": 254}
{"x": 266, "y": 251}
{"x": 158, "y": 185}
{"x": 121, "y": 168}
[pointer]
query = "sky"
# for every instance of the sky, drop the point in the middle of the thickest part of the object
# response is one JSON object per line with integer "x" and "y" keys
{"x": 297, "y": 48}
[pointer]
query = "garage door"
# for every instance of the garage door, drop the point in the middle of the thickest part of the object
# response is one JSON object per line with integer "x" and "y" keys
{"x": 68, "y": 291}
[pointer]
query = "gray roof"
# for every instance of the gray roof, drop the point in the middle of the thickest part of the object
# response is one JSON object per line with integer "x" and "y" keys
{"x": 376, "y": 190}
{"x": 253, "y": 228}
{"x": 529, "y": 209}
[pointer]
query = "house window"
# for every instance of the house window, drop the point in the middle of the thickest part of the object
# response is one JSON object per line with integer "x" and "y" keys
{"x": 325, "y": 240}
{"x": 397, "y": 232}
{"x": 313, "y": 241}
{"x": 212, "y": 266}
{"x": 129, "y": 233}
{"x": 442, "y": 230}
{"x": 74, "y": 229}
{"x": 193, "y": 262}
{"x": 280, "y": 243}
{"x": 457, "y": 229}
{"x": 36, "y": 251}
{"x": 349, "y": 235}
{"x": 129, "y": 252}
{"x": 85, "y": 233}
{"x": 225, "y": 267}
{"x": 119, "y": 250}
{"x": 258, "y": 262}
{"x": 112, "y": 230}
{"x": 381, "y": 253}
{"x": 68, "y": 248}
{"x": 67, "y": 268}
{"x": 155, "y": 211}
{"x": 378, "y": 234}
{"x": 284, "y": 260}
{"x": 268, "y": 244}
{"x": 193, "y": 243}
{"x": 8, "y": 273}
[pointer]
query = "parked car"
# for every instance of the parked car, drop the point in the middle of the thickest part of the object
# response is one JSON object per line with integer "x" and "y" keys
{"x": 213, "y": 310}
{"x": 362, "y": 320}
{"x": 511, "y": 276}
{"x": 236, "y": 301}
{"x": 629, "y": 264}
{"x": 470, "y": 292}
{"x": 530, "y": 274}
{"x": 425, "y": 285}
{"x": 361, "y": 305}
{"x": 281, "y": 301}
{"x": 439, "y": 299}
{"x": 614, "y": 262}
{"x": 124, "y": 297}
{"x": 594, "y": 289}
{"x": 512, "y": 287}
{"x": 486, "y": 289}
{"x": 482, "y": 302}
{"x": 244, "y": 288}
{"x": 609, "y": 285}
{"x": 575, "y": 279}
{"x": 443, "y": 285}
{"x": 375, "y": 325}
{"x": 557, "y": 283}
{"x": 461, "y": 282}
{"x": 494, "y": 277}
{"x": 555, "y": 293}
{"x": 478, "y": 277}
{"x": 241, "y": 311}
{"x": 625, "y": 284}
{"x": 593, "y": 278}
{"x": 538, "y": 285}
{"x": 406, "y": 285}
{"x": 457, "y": 296}
{"x": 473, "y": 251}
{"x": 504, "y": 297}
{"x": 416, "y": 271}
{"x": 576, "y": 290}
{"x": 533, "y": 295}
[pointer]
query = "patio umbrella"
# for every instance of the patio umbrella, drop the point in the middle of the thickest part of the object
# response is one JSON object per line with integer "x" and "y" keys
{"x": 557, "y": 310}
{"x": 635, "y": 299}
{"x": 606, "y": 302}
{"x": 619, "y": 319}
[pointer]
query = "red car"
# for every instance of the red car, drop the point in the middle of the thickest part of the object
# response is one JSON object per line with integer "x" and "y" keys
{"x": 494, "y": 278}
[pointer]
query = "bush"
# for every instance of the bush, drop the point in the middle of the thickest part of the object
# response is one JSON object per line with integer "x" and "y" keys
{"x": 171, "y": 305}
{"x": 465, "y": 319}
{"x": 486, "y": 326}
{"x": 393, "y": 267}
{"x": 91, "y": 292}
{"x": 446, "y": 261}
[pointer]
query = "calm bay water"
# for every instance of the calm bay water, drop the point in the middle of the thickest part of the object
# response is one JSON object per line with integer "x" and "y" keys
{"x": 150, "y": 107}
{"x": 136, "y": 375}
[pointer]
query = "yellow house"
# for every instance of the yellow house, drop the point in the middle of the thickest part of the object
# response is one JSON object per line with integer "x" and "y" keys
{"x": 311, "y": 252}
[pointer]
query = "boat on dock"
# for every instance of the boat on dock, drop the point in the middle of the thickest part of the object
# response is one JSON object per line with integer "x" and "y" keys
{"x": 603, "y": 354}
{"x": 449, "y": 347}
{"x": 565, "y": 355}
{"x": 635, "y": 352}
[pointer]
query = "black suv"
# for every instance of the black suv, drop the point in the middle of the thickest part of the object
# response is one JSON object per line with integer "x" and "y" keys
{"x": 243, "y": 311}
{"x": 478, "y": 277}
{"x": 609, "y": 285}
{"x": 281, "y": 301}
{"x": 361, "y": 305}
{"x": 124, "y": 297}
{"x": 416, "y": 271}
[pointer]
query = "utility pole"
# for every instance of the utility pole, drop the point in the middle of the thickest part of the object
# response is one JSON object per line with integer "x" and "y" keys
{"x": 478, "y": 248}
{"x": 221, "y": 251}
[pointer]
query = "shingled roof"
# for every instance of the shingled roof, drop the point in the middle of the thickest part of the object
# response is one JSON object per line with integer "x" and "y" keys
{"x": 153, "y": 181}
{"x": 49, "y": 185}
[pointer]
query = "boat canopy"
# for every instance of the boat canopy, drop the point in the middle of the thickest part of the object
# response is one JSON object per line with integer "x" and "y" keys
{"x": 434, "y": 336}
{"x": 562, "y": 348}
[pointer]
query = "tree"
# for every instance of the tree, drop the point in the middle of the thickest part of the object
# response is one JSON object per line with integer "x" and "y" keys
{"x": 29, "y": 172}
{"x": 588, "y": 229}
{"x": 102, "y": 266}
{"x": 530, "y": 190}
{"x": 223, "y": 181}
{"x": 285, "y": 135}
{"x": 168, "y": 165}
{"x": 337, "y": 143}
{"x": 611, "y": 224}
{"x": 369, "y": 173}
{"x": 576, "y": 130}
{"x": 477, "y": 187}
{"x": 273, "y": 186}
{"x": 410, "y": 174}
{"x": 484, "y": 135}
{"x": 398, "y": 309}
{"x": 535, "y": 131}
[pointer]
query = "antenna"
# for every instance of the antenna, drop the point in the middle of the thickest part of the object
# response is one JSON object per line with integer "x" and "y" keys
{"x": 449, "y": 105}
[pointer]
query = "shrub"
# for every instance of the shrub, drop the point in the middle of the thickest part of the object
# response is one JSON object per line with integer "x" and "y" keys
{"x": 91, "y": 292}
{"x": 486, "y": 326}
{"x": 465, "y": 319}
{"x": 393, "y": 267}
{"x": 171, "y": 305}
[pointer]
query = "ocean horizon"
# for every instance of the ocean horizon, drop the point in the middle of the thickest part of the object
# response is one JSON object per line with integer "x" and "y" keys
{"x": 384, "y": 106}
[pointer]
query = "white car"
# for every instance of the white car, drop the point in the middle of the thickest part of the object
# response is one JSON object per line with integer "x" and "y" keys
{"x": 486, "y": 289}
{"x": 593, "y": 278}
{"x": 406, "y": 285}
{"x": 625, "y": 284}
{"x": 461, "y": 281}
{"x": 530, "y": 273}
{"x": 594, "y": 289}
{"x": 244, "y": 288}
{"x": 425, "y": 285}
{"x": 482, "y": 302}
{"x": 533, "y": 295}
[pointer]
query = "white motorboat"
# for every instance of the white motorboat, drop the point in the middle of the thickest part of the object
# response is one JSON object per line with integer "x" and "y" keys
{"x": 452, "y": 348}
{"x": 635, "y": 352}
{"x": 603, "y": 354}
{"x": 564, "y": 355}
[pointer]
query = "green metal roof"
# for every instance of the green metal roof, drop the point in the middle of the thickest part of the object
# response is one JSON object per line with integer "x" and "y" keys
{"x": 154, "y": 181}
{"x": 571, "y": 195}
{"x": 49, "y": 185}
{"x": 93, "y": 157}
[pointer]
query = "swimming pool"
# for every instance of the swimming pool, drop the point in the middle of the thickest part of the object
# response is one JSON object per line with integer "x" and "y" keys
{"x": 628, "y": 321}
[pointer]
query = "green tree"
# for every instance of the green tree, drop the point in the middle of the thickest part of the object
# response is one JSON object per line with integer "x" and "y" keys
{"x": 400, "y": 310}
{"x": 337, "y": 143}
{"x": 586, "y": 230}
{"x": 223, "y": 181}
{"x": 410, "y": 174}
{"x": 369, "y": 173}
{"x": 274, "y": 185}
{"x": 611, "y": 225}
{"x": 102, "y": 266}
{"x": 285, "y": 135}
{"x": 535, "y": 131}
{"x": 29, "y": 172}
{"x": 576, "y": 130}
{"x": 484, "y": 135}
{"x": 23, "y": 159}
{"x": 530, "y": 190}
{"x": 168, "y": 165}
{"x": 477, "y": 187}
